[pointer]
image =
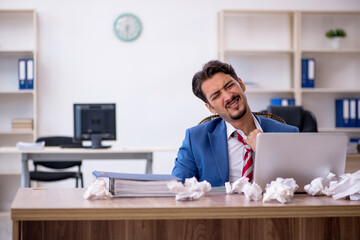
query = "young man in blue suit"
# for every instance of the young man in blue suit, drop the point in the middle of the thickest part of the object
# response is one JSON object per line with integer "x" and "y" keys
{"x": 210, "y": 151}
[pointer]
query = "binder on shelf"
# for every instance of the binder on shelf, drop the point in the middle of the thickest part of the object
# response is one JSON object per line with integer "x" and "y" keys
{"x": 342, "y": 112}
{"x": 358, "y": 112}
{"x": 30, "y": 73}
{"x": 304, "y": 72}
{"x": 308, "y": 72}
{"x": 22, "y": 73}
{"x": 282, "y": 102}
{"x": 352, "y": 112}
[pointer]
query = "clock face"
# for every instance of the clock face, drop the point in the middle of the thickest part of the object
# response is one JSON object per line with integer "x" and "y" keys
{"x": 127, "y": 27}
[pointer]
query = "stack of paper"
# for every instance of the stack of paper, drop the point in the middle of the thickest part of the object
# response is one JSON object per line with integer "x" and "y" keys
{"x": 138, "y": 185}
{"x": 31, "y": 146}
{"x": 22, "y": 124}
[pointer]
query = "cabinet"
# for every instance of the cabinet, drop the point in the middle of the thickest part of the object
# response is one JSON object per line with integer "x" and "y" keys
{"x": 266, "y": 48}
{"x": 18, "y": 39}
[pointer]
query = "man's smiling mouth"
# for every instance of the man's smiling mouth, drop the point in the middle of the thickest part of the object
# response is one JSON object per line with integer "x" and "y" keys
{"x": 233, "y": 102}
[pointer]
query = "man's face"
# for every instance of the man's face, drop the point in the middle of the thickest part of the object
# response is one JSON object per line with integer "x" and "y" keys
{"x": 225, "y": 96}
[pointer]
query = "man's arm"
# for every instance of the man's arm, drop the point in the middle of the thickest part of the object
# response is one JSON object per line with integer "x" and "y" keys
{"x": 185, "y": 165}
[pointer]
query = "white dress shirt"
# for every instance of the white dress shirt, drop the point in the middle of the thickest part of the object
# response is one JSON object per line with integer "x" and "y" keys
{"x": 236, "y": 151}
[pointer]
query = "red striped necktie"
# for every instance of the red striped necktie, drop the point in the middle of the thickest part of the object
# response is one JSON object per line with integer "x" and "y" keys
{"x": 248, "y": 160}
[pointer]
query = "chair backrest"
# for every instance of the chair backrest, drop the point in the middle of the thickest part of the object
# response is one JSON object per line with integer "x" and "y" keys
{"x": 57, "y": 141}
{"x": 263, "y": 114}
{"x": 296, "y": 116}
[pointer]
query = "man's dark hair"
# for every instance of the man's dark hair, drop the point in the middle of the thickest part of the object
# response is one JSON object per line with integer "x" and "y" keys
{"x": 208, "y": 71}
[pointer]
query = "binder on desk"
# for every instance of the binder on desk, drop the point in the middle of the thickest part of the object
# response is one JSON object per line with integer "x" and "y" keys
{"x": 342, "y": 112}
{"x": 308, "y": 72}
{"x": 137, "y": 185}
{"x": 30, "y": 73}
{"x": 22, "y": 73}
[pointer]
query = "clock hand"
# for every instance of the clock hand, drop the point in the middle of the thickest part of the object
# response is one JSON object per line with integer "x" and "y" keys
{"x": 127, "y": 30}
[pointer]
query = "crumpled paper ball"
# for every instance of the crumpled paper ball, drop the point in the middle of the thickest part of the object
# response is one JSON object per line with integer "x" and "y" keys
{"x": 253, "y": 192}
{"x": 281, "y": 190}
{"x": 237, "y": 186}
{"x": 347, "y": 185}
{"x": 190, "y": 190}
{"x": 320, "y": 185}
{"x": 98, "y": 190}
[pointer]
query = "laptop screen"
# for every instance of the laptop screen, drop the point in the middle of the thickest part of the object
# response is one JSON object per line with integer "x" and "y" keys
{"x": 302, "y": 156}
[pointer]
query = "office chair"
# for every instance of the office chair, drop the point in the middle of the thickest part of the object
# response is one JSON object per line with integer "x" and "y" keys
{"x": 263, "y": 114}
{"x": 296, "y": 116}
{"x": 57, "y": 175}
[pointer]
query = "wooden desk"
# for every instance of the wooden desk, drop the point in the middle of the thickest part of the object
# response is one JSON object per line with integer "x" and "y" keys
{"x": 71, "y": 154}
{"x": 64, "y": 214}
{"x": 352, "y": 163}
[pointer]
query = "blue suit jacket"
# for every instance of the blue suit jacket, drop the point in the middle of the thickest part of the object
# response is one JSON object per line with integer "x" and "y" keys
{"x": 204, "y": 152}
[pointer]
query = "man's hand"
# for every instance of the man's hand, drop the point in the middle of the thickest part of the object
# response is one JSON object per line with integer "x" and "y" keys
{"x": 251, "y": 139}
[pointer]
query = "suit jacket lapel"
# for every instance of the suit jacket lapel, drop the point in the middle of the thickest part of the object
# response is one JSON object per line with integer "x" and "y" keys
{"x": 218, "y": 144}
{"x": 262, "y": 124}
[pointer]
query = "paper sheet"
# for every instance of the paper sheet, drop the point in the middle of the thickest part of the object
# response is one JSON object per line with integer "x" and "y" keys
{"x": 29, "y": 146}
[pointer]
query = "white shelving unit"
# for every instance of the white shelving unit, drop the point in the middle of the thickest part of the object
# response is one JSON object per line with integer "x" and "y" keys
{"x": 337, "y": 70}
{"x": 18, "y": 39}
{"x": 257, "y": 43}
{"x": 266, "y": 48}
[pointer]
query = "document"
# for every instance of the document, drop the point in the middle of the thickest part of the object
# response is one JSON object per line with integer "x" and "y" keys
{"x": 138, "y": 185}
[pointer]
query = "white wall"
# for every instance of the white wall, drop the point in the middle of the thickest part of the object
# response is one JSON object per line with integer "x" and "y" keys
{"x": 81, "y": 60}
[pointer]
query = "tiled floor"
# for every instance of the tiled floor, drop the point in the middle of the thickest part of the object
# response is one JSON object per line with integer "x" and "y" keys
{"x": 5, "y": 226}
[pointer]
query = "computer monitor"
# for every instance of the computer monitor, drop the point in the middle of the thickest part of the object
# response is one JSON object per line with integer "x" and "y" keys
{"x": 95, "y": 122}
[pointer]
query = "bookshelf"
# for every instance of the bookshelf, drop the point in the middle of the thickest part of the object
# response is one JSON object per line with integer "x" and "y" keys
{"x": 266, "y": 48}
{"x": 337, "y": 70}
{"x": 18, "y": 39}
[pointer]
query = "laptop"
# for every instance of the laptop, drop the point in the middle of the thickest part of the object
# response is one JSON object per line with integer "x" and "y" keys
{"x": 302, "y": 156}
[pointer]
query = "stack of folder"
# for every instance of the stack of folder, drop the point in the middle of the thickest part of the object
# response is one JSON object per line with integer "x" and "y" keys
{"x": 26, "y": 73}
{"x": 138, "y": 185}
{"x": 347, "y": 112}
{"x": 22, "y": 124}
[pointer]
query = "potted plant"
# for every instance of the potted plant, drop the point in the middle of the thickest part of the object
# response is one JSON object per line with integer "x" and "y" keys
{"x": 335, "y": 35}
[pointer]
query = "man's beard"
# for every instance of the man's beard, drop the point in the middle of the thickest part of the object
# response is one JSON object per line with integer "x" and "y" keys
{"x": 239, "y": 115}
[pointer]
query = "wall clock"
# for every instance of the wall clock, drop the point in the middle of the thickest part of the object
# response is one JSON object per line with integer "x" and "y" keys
{"x": 127, "y": 27}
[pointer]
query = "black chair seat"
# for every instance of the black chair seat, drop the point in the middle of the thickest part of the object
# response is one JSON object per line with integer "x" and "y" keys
{"x": 52, "y": 176}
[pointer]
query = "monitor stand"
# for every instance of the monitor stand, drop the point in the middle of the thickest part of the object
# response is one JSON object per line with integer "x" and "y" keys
{"x": 96, "y": 142}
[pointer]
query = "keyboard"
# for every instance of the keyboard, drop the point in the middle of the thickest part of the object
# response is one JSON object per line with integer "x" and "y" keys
{"x": 71, "y": 146}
